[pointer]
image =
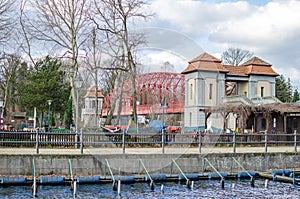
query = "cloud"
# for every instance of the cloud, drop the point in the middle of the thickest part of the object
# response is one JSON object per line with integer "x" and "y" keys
{"x": 198, "y": 17}
{"x": 165, "y": 45}
{"x": 233, "y": 23}
{"x": 267, "y": 29}
{"x": 161, "y": 61}
{"x": 172, "y": 41}
{"x": 271, "y": 30}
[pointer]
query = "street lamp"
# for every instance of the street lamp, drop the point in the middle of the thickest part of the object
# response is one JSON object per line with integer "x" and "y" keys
{"x": 77, "y": 84}
{"x": 49, "y": 105}
{"x": 137, "y": 116}
{"x": 163, "y": 105}
{"x": 1, "y": 118}
{"x": 1, "y": 106}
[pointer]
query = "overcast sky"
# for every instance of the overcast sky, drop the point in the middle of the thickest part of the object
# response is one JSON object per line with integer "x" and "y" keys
{"x": 183, "y": 29}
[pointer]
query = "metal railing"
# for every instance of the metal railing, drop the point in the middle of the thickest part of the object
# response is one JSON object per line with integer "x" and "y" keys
{"x": 159, "y": 139}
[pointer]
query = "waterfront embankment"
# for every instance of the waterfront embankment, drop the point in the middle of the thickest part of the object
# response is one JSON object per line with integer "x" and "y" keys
{"x": 97, "y": 161}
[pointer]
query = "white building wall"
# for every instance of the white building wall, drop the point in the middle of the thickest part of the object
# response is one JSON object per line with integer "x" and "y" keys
{"x": 200, "y": 82}
{"x": 193, "y": 117}
{"x": 257, "y": 81}
{"x": 88, "y": 112}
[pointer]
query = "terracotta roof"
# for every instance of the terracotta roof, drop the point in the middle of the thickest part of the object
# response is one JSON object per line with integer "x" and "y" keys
{"x": 256, "y": 61}
{"x": 254, "y": 66}
{"x": 205, "y": 57}
{"x": 261, "y": 70}
{"x": 236, "y": 70}
{"x": 205, "y": 62}
{"x": 91, "y": 93}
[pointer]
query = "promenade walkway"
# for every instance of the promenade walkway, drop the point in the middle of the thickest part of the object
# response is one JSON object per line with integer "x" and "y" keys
{"x": 107, "y": 151}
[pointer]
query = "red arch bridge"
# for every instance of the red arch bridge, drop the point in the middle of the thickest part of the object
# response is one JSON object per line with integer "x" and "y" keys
{"x": 151, "y": 88}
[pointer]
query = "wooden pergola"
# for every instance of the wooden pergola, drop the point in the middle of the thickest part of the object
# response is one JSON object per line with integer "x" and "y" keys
{"x": 243, "y": 111}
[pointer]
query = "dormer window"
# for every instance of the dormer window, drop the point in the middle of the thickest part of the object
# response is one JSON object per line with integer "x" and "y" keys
{"x": 191, "y": 91}
{"x": 210, "y": 91}
{"x": 261, "y": 91}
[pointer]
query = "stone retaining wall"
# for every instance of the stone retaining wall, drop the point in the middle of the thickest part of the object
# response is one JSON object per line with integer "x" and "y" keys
{"x": 129, "y": 164}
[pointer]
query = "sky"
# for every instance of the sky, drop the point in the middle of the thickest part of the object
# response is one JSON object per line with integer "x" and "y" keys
{"x": 183, "y": 29}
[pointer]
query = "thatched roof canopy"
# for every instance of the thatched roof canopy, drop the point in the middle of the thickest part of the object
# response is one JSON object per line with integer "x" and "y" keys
{"x": 281, "y": 108}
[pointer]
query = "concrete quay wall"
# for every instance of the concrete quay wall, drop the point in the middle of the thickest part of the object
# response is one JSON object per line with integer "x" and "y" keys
{"x": 130, "y": 164}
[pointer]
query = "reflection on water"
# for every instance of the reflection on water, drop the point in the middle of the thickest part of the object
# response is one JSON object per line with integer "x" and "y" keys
{"x": 202, "y": 189}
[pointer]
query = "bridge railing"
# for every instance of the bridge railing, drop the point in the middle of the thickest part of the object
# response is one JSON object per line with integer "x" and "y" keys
{"x": 144, "y": 139}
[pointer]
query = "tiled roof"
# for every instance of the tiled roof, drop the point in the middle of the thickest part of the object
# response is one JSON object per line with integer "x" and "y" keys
{"x": 236, "y": 70}
{"x": 254, "y": 66}
{"x": 91, "y": 93}
{"x": 261, "y": 70}
{"x": 205, "y": 57}
{"x": 205, "y": 62}
{"x": 256, "y": 61}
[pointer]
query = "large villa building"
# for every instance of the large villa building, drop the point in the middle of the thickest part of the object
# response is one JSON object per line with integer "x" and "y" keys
{"x": 208, "y": 83}
{"x": 210, "y": 95}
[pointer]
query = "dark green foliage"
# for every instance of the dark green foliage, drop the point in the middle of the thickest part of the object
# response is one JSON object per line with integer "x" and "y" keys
{"x": 283, "y": 89}
{"x": 45, "y": 81}
{"x": 296, "y": 96}
{"x": 68, "y": 114}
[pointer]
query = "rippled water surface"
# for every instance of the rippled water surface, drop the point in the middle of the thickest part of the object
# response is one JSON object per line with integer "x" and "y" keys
{"x": 202, "y": 189}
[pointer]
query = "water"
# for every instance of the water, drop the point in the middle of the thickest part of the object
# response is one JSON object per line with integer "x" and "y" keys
{"x": 202, "y": 189}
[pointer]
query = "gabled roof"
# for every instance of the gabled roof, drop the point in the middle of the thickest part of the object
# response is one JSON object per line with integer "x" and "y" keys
{"x": 205, "y": 57}
{"x": 256, "y": 61}
{"x": 236, "y": 70}
{"x": 91, "y": 93}
{"x": 205, "y": 62}
{"x": 254, "y": 66}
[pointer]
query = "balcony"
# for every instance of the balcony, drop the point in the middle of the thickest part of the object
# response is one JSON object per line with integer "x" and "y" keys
{"x": 265, "y": 100}
{"x": 253, "y": 101}
{"x": 238, "y": 99}
{"x": 90, "y": 111}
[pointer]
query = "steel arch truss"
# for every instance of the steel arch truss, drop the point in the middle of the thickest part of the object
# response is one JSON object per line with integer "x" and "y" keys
{"x": 152, "y": 89}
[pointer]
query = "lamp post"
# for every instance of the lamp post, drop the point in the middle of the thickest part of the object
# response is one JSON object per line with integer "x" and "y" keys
{"x": 77, "y": 84}
{"x": 1, "y": 118}
{"x": 163, "y": 105}
{"x": 1, "y": 106}
{"x": 137, "y": 116}
{"x": 49, "y": 105}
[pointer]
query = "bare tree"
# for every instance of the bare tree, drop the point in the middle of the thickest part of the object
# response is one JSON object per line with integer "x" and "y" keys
{"x": 235, "y": 56}
{"x": 114, "y": 18}
{"x": 93, "y": 65}
{"x": 6, "y": 19}
{"x": 11, "y": 68}
{"x": 62, "y": 23}
{"x": 24, "y": 39}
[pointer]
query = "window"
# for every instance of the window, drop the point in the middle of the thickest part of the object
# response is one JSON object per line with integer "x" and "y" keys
{"x": 210, "y": 91}
{"x": 190, "y": 119}
{"x": 261, "y": 91}
{"x": 263, "y": 124}
{"x": 274, "y": 122}
{"x": 191, "y": 91}
{"x": 295, "y": 124}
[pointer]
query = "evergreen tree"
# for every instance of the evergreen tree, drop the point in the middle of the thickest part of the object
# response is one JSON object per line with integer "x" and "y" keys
{"x": 68, "y": 116}
{"x": 296, "y": 96}
{"x": 45, "y": 81}
{"x": 289, "y": 90}
{"x": 283, "y": 89}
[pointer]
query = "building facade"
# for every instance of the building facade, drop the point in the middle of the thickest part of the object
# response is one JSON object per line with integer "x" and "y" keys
{"x": 208, "y": 83}
{"x": 89, "y": 116}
